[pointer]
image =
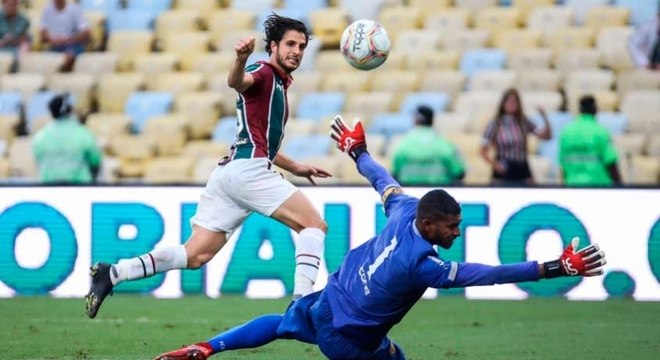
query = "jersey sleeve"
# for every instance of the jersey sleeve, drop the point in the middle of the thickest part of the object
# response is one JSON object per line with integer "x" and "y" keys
{"x": 473, "y": 274}
{"x": 437, "y": 273}
{"x": 259, "y": 75}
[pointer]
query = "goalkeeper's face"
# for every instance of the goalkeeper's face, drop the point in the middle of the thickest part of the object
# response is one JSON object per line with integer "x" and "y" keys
{"x": 442, "y": 230}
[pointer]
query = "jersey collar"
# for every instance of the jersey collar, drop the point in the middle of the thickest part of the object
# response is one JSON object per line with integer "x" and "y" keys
{"x": 286, "y": 79}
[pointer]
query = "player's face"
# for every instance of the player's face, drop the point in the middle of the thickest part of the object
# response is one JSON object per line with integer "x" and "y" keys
{"x": 442, "y": 231}
{"x": 288, "y": 53}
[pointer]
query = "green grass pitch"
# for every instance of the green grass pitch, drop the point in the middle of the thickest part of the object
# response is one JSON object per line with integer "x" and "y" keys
{"x": 141, "y": 327}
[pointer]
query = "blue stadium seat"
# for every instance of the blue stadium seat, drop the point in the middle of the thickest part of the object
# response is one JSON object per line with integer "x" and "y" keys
{"x": 10, "y": 102}
{"x": 154, "y": 6}
{"x": 106, "y": 6}
{"x": 316, "y": 105}
{"x": 641, "y": 11}
{"x": 615, "y": 122}
{"x": 390, "y": 124}
{"x": 301, "y": 147}
{"x": 225, "y": 130}
{"x": 434, "y": 99}
{"x": 476, "y": 60}
{"x": 130, "y": 20}
{"x": 36, "y": 107}
{"x": 141, "y": 105}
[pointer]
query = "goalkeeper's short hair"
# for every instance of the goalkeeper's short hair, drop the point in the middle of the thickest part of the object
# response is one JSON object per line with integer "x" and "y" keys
{"x": 437, "y": 203}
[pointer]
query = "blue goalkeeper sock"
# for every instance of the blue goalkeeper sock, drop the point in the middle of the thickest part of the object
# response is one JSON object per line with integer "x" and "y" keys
{"x": 257, "y": 332}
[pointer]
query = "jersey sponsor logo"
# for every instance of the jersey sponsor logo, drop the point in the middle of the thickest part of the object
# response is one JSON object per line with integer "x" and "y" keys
{"x": 437, "y": 260}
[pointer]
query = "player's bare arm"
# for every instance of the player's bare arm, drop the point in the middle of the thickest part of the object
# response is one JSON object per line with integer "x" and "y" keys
{"x": 238, "y": 79}
{"x": 302, "y": 170}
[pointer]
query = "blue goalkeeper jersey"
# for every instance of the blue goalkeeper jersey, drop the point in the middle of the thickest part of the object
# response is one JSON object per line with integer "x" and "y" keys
{"x": 380, "y": 281}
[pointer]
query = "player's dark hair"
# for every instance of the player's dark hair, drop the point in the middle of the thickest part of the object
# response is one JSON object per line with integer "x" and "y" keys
{"x": 588, "y": 105}
{"x": 276, "y": 26}
{"x": 437, "y": 203}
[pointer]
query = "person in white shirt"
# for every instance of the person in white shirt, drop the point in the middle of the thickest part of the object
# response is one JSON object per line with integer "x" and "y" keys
{"x": 65, "y": 29}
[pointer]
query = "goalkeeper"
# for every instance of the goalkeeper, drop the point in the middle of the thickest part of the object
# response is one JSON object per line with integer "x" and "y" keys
{"x": 380, "y": 281}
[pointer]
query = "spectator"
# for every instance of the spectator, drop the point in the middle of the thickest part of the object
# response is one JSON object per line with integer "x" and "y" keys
{"x": 65, "y": 29}
{"x": 644, "y": 44}
{"x": 13, "y": 28}
{"x": 507, "y": 133}
{"x": 423, "y": 157}
{"x": 65, "y": 150}
{"x": 586, "y": 154}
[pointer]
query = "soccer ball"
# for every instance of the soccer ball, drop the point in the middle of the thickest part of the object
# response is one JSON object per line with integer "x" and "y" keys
{"x": 365, "y": 44}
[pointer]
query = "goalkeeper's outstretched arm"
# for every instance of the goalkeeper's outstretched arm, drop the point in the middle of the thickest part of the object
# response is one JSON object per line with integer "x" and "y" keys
{"x": 353, "y": 142}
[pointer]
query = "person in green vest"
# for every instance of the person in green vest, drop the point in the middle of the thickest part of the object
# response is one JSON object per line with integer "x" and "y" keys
{"x": 424, "y": 158}
{"x": 65, "y": 150}
{"x": 586, "y": 154}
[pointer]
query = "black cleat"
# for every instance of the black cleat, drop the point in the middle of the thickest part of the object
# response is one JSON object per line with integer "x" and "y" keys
{"x": 101, "y": 287}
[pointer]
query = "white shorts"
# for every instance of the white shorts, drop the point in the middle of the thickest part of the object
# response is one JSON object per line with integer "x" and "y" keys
{"x": 238, "y": 188}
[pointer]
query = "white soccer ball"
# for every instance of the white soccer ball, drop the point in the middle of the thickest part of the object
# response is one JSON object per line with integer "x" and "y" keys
{"x": 365, "y": 44}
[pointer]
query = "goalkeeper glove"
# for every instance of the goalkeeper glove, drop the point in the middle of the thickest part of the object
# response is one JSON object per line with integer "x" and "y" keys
{"x": 351, "y": 141}
{"x": 586, "y": 262}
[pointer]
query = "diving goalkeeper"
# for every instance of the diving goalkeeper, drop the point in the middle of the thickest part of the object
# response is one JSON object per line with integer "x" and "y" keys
{"x": 380, "y": 281}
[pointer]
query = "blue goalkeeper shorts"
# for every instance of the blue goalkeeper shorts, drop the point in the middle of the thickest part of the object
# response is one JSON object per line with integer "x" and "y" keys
{"x": 309, "y": 319}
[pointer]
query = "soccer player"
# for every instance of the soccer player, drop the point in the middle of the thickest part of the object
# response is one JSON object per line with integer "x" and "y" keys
{"x": 244, "y": 181}
{"x": 380, "y": 281}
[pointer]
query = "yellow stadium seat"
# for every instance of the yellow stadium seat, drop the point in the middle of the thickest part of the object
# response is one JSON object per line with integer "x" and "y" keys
{"x": 451, "y": 82}
{"x": 8, "y": 127}
{"x": 653, "y": 147}
{"x": 547, "y": 99}
{"x": 432, "y": 60}
{"x": 480, "y": 106}
{"x": 629, "y": 144}
{"x": 152, "y": 65}
{"x": 129, "y": 43}
{"x": 187, "y": 45}
{"x": 204, "y": 7}
{"x": 178, "y": 82}
{"x": 517, "y": 40}
{"x": 133, "y": 151}
{"x": 202, "y": 108}
{"x": 637, "y": 79}
{"x": 549, "y": 19}
{"x": 645, "y": 170}
{"x": 540, "y": 58}
{"x": 210, "y": 63}
{"x": 222, "y": 21}
{"x": 45, "y": 63}
{"x": 577, "y": 60}
{"x": 370, "y": 103}
{"x": 642, "y": 107}
{"x": 611, "y": 44}
{"x": 202, "y": 169}
{"x": 34, "y": 16}
{"x": 542, "y": 170}
{"x": 347, "y": 81}
{"x": 97, "y": 23}
{"x": 398, "y": 18}
{"x": 168, "y": 170}
{"x": 6, "y": 62}
{"x": 331, "y": 61}
{"x": 21, "y": 158}
{"x": 176, "y": 21}
{"x": 606, "y": 16}
{"x": 450, "y": 123}
{"x": 570, "y": 39}
{"x": 297, "y": 126}
{"x": 607, "y": 100}
{"x": 171, "y": 130}
{"x": 81, "y": 86}
{"x": 396, "y": 60}
{"x": 473, "y": 6}
{"x": 431, "y": 7}
{"x": 218, "y": 84}
{"x": 447, "y": 21}
{"x": 229, "y": 38}
{"x": 307, "y": 81}
{"x": 589, "y": 80}
{"x": 96, "y": 63}
{"x": 108, "y": 125}
{"x": 414, "y": 40}
{"x": 198, "y": 149}
{"x": 492, "y": 80}
{"x": 468, "y": 39}
{"x": 497, "y": 19}
{"x": 538, "y": 79}
{"x": 5, "y": 168}
{"x": 525, "y": 7}
{"x": 328, "y": 25}
{"x": 114, "y": 89}
{"x": 25, "y": 83}
{"x": 398, "y": 83}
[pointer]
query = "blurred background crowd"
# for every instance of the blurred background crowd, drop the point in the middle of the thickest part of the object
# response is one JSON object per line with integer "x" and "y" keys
{"x": 474, "y": 92}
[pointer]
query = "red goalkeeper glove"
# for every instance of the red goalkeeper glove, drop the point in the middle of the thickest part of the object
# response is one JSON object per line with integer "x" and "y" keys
{"x": 351, "y": 141}
{"x": 586, "y": 262}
